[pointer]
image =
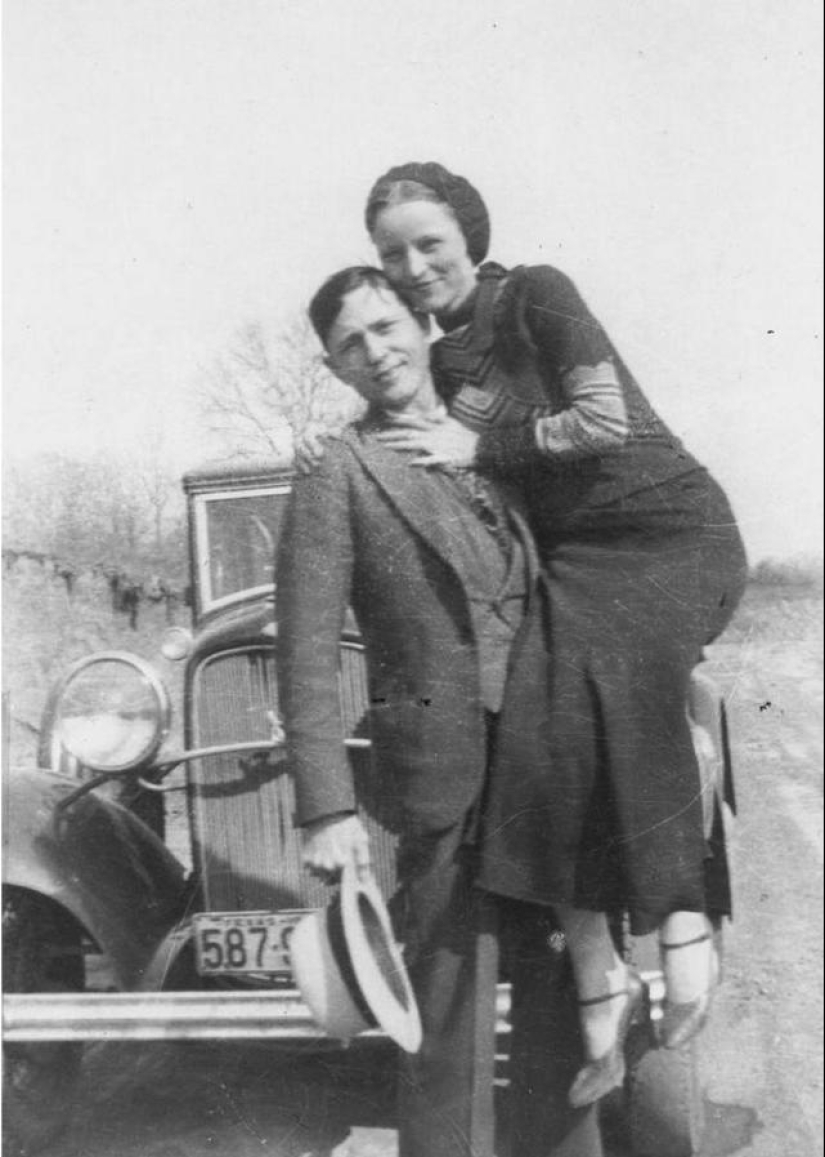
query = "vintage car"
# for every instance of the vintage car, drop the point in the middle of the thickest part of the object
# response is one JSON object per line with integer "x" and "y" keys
{"x": 111, "y": 931}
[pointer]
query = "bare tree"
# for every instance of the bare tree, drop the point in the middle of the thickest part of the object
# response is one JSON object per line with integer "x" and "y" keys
{"x": 70, "y": 507}
{"x": 88, "y": 511}
{"x": 261, "y": 396}
{"x": 158, "y": 484}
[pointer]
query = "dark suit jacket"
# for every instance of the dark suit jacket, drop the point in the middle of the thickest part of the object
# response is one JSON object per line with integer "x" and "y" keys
{"x": 360, "y": 532}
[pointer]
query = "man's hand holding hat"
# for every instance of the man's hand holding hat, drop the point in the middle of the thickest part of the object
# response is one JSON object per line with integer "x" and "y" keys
{"x": 332, "y": 843}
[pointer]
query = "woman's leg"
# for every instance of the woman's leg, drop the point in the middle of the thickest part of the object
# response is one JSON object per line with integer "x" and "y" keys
{"x": 599, "y": 972}
{"x": 687, "y": 949}
{"x": 690, "y": 965}
{"x": 608, "y": 993}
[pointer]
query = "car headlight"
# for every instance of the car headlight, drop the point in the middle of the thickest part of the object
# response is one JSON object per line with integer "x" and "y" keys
{"x": 112, "y": 712}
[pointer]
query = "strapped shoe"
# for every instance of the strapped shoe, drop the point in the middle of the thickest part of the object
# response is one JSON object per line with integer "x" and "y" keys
{"x": 682, "y": 1020}
{"x": 597, "y": 1077}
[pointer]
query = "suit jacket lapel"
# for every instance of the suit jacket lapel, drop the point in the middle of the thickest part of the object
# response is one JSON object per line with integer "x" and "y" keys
{"x": 390, "y": 470}
{"x": 519, "y": 523}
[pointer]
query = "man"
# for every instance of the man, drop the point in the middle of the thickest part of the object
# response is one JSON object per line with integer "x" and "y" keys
{"x": 441, "y": 576}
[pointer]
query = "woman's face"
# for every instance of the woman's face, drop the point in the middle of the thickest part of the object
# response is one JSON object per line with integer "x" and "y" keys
{"x": 424, "y": 253}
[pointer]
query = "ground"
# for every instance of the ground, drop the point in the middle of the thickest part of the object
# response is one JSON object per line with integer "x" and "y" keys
{"x": 761, "y": 1054}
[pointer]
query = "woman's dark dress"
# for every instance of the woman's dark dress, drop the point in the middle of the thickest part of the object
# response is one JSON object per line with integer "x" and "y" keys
{"x": 645, "y": 566}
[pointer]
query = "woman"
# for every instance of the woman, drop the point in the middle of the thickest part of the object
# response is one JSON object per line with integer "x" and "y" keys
{"x": 645, "y": 565}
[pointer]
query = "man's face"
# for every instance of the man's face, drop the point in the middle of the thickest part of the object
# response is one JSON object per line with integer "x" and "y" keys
{"x": 381, "y": 349}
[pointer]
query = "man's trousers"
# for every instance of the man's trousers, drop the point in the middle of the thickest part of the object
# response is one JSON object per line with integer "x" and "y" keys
{"x": 455, "y": 939}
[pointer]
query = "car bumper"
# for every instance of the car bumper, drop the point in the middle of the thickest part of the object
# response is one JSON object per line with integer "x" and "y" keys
{"x": 260, "y": 1015}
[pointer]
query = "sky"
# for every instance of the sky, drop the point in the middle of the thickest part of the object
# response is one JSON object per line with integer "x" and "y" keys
{"x": 177, "y": 169}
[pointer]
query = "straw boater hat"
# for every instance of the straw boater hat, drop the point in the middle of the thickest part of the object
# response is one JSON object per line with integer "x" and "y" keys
{"x": 349, "y": 970}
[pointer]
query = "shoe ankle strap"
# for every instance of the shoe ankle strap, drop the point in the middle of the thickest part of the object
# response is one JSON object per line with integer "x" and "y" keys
{"x": 685, "y": 943}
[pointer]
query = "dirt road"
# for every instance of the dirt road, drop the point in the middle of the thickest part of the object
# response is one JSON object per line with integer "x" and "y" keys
{"x": 763, "y": 1049}
{"x": 762, "y": 1052}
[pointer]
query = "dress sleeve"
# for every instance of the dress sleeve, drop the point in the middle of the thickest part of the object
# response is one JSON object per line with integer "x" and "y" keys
{"x": 313, "y": 583}
{"x": 594, "y": 418}
{"x": 541, "y": 311}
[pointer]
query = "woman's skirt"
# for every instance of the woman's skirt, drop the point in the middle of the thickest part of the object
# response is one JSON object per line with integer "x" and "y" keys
{"x": 615, "y": 822}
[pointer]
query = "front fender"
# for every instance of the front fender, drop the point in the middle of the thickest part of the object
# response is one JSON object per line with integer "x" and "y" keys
{"x": 96, "y": 860}
{"x": 706, "y": 708}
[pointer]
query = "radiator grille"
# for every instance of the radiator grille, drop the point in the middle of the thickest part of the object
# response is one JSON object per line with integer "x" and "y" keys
{"x": 246, "y": 849}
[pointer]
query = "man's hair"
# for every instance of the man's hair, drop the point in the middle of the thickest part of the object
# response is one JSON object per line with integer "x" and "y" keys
{"x": 329, "y": 300}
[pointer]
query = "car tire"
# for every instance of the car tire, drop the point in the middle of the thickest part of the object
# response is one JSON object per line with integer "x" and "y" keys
{"x": 41, "y": 953}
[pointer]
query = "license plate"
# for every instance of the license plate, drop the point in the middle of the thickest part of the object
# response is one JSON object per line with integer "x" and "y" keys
{"x": 240, "y": 942}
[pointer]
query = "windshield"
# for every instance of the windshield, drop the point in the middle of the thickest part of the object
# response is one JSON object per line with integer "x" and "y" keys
{"x": 236, "y": 536}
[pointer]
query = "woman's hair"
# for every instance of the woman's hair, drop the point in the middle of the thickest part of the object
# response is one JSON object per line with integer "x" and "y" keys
{"x": 329, "y": 299}
{"x": 386, "y": 193}
{"x": 430, "y": 181}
